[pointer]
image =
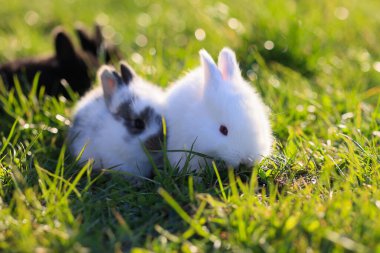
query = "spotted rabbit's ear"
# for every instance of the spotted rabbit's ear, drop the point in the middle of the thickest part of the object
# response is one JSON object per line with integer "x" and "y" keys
{"x": 227, "y": 64}
{"x": 111, "y": 81}
{"x": 211, "y": 72}
{"x": 127, "y": 73}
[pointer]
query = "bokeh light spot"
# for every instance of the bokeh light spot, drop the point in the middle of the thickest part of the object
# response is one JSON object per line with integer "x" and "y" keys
{"x": 268, "y": 45}
{"x": 376, "y": 66}
{"x": 141, "y": 40}
{"x": 200, "y": 34}
{"x": 341, "y": 13}
{"x": 137, "y": 58}
{"x": 144, "y": 20}
{"x": 31, "y": 18}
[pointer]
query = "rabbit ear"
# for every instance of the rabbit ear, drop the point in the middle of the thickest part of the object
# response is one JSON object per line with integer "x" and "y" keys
{"x": 210, "y": 70}
{"x": 87, "y": 43}
{"x": 64, "y": 49}
{"x": 127, "y": 73}
{"x": 110, "y": 80}
{"x": 98, "y": 36}
{"x": 227, "y": 64}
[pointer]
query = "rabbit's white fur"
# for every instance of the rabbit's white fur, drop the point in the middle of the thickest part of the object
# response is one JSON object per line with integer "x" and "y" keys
{"x": 207, "y": 98}
{"x": 104, "y": 136}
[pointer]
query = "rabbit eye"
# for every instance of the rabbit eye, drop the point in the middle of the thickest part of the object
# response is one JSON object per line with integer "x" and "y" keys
{"x": 139, "y": 124}
{"x": 223, "y": 129}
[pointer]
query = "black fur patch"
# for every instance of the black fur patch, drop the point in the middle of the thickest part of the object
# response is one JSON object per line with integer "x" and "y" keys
{"x": 126, "y": 73}
{"x": 125, "y": 111}
{"x": 126, "y": 114}
{"x": 155, "y": 141}
{"x": 118, "y": 78}
{"x": 133, "y": 121}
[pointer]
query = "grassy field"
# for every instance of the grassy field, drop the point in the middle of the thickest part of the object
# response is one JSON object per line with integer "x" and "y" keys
{"x": 316, "y": 64}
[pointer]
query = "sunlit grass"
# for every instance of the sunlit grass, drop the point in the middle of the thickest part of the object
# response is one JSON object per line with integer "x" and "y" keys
{"x": 315, "y": 64}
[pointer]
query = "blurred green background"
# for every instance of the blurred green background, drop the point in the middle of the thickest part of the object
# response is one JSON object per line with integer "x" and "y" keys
{"x": 168, "y": 34}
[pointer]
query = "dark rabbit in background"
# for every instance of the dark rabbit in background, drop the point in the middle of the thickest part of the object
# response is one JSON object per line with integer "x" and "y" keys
{"x": 96, "y": 45}
{"x": 67, "y": 66}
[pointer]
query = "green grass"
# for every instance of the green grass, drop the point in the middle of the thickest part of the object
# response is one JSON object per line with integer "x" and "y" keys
{"x": 318, "y": 192}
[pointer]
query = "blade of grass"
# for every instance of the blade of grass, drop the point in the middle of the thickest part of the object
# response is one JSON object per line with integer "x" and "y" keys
{"x": 219, "y": 181}
{"x": 7, "y": 141}
{"x": 194, "y": 224}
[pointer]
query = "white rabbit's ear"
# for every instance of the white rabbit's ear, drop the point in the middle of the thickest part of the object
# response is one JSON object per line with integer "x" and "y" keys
{"x": 110, "y": 80}
{"x": 227, "y": 64}
{"x": 210, "y": 70}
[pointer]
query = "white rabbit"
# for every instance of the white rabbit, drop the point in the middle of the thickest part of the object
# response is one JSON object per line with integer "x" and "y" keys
{"x": 214, "y": 111}
{"x": 114, "y": 121}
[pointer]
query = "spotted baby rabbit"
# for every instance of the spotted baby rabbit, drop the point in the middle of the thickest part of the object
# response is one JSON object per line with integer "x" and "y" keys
{"x": 214, "y": 111}
{"x": 113, "y": 122}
